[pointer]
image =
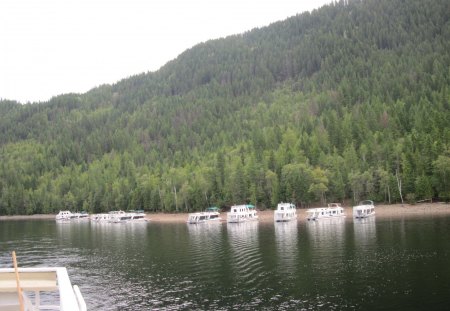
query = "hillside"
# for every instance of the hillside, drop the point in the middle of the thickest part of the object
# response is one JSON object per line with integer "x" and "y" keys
{"x": 350, "y": 101}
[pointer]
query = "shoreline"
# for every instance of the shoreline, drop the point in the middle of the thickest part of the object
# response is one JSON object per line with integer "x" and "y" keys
{"x": 382, "y": 211}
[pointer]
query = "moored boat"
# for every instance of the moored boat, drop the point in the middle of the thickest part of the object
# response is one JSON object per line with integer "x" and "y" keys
{"x": 331, "y": 211}
{"x": 242, "y": 213}
{"x": 103, "y": 217}
{"x": 119, "y": 217}
{"x": 64, "y": 215}
{"x": 35, "y": 283}
{"x": 79, "y": 216}
{"x": 364, "y": 209}
{"x": 68, "y": 215}
{"x": 285, "y": 212}
{"x": 210, "y": 215}
{"x": 137, "y": 216}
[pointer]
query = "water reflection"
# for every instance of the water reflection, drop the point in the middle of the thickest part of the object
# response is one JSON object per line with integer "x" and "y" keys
{"x": 244, "y": 244}
{"x": 326, "y": 250}
{"x": 339, "y": 264}
{"x": 205, "y": 230}
{"x": 364, "y": 231}
{"x": 327, "y": 232}
{"x": 205, "y": 250}
{"x": 108, "y": 254}
{"x": 287, "y": 246}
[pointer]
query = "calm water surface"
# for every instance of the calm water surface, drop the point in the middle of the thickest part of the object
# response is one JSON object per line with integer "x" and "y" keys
{"x": 374, "y": 264}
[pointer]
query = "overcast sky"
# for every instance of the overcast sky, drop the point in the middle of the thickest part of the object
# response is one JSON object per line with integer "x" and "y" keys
{"x": 52, "y": 47}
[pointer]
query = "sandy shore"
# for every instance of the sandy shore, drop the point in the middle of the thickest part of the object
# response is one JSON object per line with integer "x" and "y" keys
{"x": 25, "y": 217}
{"x": 382, "y": 211}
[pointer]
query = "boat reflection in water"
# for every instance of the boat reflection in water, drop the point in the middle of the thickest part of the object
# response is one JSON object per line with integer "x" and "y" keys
{"x": 327, "y": 246}
{"x": 208, "y": 234}
{"x": 326, "y": 232}
{"x": 205, "y": 251}
{"x": 365, "y": 231}
{"x": 287, "y": 246}
{"x": 246, "y": 261}
{"x": 102, "y": 234}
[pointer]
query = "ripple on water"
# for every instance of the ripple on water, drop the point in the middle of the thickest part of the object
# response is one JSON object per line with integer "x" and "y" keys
{"x": 236, "y": 267}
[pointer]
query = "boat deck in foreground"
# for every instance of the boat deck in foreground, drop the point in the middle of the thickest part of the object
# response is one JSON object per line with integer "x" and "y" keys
{"x": 37, "y": 281}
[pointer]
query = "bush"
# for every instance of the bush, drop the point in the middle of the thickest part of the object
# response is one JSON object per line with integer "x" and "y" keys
{"x": 411, "y": 198}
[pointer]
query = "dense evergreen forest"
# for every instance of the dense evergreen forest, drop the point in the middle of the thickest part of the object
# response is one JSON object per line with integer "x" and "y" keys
{"x": 348, "y": 102}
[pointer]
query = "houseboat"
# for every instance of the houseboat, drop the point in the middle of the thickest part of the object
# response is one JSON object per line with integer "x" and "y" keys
{"x": 364, "y": 209}
{"x": 210, "y": 215}
{"x": 64, "y": 215}
{"x": 331, "y": 211}
{"x": 120, "y": 217}
{"x": 242, "y": 213}
{"x": 285, "y": 212}
{"x": 103, "y": 217}
{"x": 68, "y": 215}
{"x": 137, "y": 216}
{"x": 79, "y": 216}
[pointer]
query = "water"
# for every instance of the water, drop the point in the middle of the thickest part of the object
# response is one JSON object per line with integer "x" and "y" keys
{"x": 373, "y": 264}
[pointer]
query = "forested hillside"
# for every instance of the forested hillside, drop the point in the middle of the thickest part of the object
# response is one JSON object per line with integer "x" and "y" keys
{"x": 348, "y": 102}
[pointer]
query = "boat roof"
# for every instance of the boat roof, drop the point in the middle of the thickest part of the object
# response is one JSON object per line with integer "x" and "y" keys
{"x": 213, "y": 209}
{"x": 366, "y": 202}
{"x": 316, "y": 209}
{"x": 285, "y": 204}
{"x": 244, "y": 205}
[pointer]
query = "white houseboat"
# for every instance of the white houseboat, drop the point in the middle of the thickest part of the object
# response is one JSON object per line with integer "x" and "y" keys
{"x": 119, "y": 217}
{"x": 285, "y": 212}
{"x": 364, "y": 209}
{"x": 137, "y": 216}
{"x": 64, "y": 215}
{"x": 211, "y": 215}
{"x": 32, "y": 284}
{"x": 68, "y": 215}
{"x": 103, "y": 217}
{"x": 331, "y": 211}
{"x": 79, "y": 216}
{"x": 242, "y": 213}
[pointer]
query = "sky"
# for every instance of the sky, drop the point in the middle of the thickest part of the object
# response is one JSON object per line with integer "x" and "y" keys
{"x": 53, "y": 47}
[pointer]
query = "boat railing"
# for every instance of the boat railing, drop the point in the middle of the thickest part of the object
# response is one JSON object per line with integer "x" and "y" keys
{"x": 37, "y": 280}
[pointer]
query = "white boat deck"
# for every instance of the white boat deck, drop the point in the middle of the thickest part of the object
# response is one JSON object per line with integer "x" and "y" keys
{"x": 33, "y": 281}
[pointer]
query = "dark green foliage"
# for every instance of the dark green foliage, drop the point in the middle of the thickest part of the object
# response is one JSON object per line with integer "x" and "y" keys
{"x": 349, "y": 101}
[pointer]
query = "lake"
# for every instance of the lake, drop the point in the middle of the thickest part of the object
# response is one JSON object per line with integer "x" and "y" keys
{"x": 344, "y": 264}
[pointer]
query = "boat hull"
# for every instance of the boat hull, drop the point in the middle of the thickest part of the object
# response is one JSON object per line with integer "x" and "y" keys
{"x": 281, "y": 217}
